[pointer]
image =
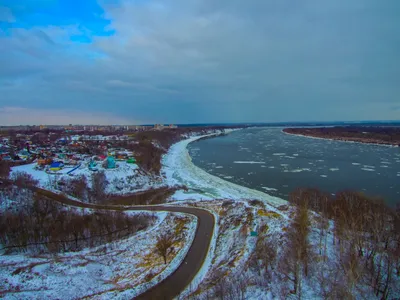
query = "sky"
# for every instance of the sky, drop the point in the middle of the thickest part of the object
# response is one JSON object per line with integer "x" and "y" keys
{"x": 198, "y": 61}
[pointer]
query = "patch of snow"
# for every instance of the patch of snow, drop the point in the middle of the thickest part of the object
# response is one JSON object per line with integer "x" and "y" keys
{"x": 268, "y": 188}
{"x": 121, "y": 180}
{"x": 181, "y": 195}
{"x": 41, "y": 176}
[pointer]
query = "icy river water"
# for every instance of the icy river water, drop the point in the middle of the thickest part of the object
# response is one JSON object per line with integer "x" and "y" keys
{"x": 268, "y": 160}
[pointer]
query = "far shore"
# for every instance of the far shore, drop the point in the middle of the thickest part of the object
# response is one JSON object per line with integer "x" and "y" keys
{"x": 369, "y": 135}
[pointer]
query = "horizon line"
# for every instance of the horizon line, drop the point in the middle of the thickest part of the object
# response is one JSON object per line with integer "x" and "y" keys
{"x": 210, "y": 123}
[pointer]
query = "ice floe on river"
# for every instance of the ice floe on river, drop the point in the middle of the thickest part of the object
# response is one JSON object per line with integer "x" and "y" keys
{"x": 249, "y": 162}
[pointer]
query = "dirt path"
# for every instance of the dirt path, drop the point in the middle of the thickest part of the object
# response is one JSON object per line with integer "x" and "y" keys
{"x": 176, "y": 282}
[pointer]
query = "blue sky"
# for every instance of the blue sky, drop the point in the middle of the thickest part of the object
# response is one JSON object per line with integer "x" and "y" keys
{"x": 187, "y": 61}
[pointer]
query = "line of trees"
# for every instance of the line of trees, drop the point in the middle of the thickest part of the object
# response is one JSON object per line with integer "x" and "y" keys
{"x": 41, "y": 224}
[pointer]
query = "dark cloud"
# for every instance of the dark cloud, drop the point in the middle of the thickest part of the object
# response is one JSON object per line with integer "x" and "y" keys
{"x": 209, "y": 61}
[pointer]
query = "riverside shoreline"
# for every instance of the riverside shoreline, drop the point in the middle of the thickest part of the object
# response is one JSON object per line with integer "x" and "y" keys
{"x": 362, "y": 140}
{"x": 178, "y": 169}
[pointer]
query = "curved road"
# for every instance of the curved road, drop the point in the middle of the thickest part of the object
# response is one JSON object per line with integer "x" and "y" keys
{"x": 176, "y": 282}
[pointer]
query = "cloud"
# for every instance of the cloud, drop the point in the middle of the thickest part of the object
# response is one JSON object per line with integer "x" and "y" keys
{"x": 207, "y": 61}
{"x": 26, "y": 116}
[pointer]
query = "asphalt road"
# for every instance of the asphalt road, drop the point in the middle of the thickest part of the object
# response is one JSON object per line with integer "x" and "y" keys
{"x": 176, "y": 282}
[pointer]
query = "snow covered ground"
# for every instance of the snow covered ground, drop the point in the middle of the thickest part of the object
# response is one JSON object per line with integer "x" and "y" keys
{"x": 233, "y": 244}
{"x": 126, "y": 178}
{"x": 122, "y": 270}
{"x": 118, "y": 270}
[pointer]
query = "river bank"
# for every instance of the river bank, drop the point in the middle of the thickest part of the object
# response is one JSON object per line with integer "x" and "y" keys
{"x": 376, "y": 136}
{"x": 178, "y": 169}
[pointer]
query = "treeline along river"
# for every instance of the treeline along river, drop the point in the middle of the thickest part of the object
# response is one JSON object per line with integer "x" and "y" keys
{"x": 274, "y": 162}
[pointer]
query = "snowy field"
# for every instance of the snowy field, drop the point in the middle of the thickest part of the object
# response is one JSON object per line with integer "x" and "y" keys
{"x": 118, "y": 270}
{"x": 126, "y": 178}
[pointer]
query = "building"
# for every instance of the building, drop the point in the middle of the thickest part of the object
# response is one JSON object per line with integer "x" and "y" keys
{"x": 159, "y": 126}
{"x": 56, "y": 166}
{"x": 110, "y": 163}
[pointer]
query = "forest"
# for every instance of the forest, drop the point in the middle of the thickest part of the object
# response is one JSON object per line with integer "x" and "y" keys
{"x": 344, "y": 246}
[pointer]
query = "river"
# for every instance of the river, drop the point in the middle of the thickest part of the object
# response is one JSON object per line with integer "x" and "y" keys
{"x": 268, "y": 160}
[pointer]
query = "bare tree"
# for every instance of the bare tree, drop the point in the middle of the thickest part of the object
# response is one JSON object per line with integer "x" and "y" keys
{"x": 264, "y": 256}
{"x": 4, "y": 169}
{"x": 99, "y": 185}
{"x": 164, "y": 245}
{"x": 295, "y": 260}
{"x": 79, "y": 187}
{"x": 23, "y": 179}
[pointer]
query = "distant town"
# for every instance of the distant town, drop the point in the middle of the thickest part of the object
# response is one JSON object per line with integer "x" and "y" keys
{"x": 73, "y": 149}
{"x": 76, "y": 128}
